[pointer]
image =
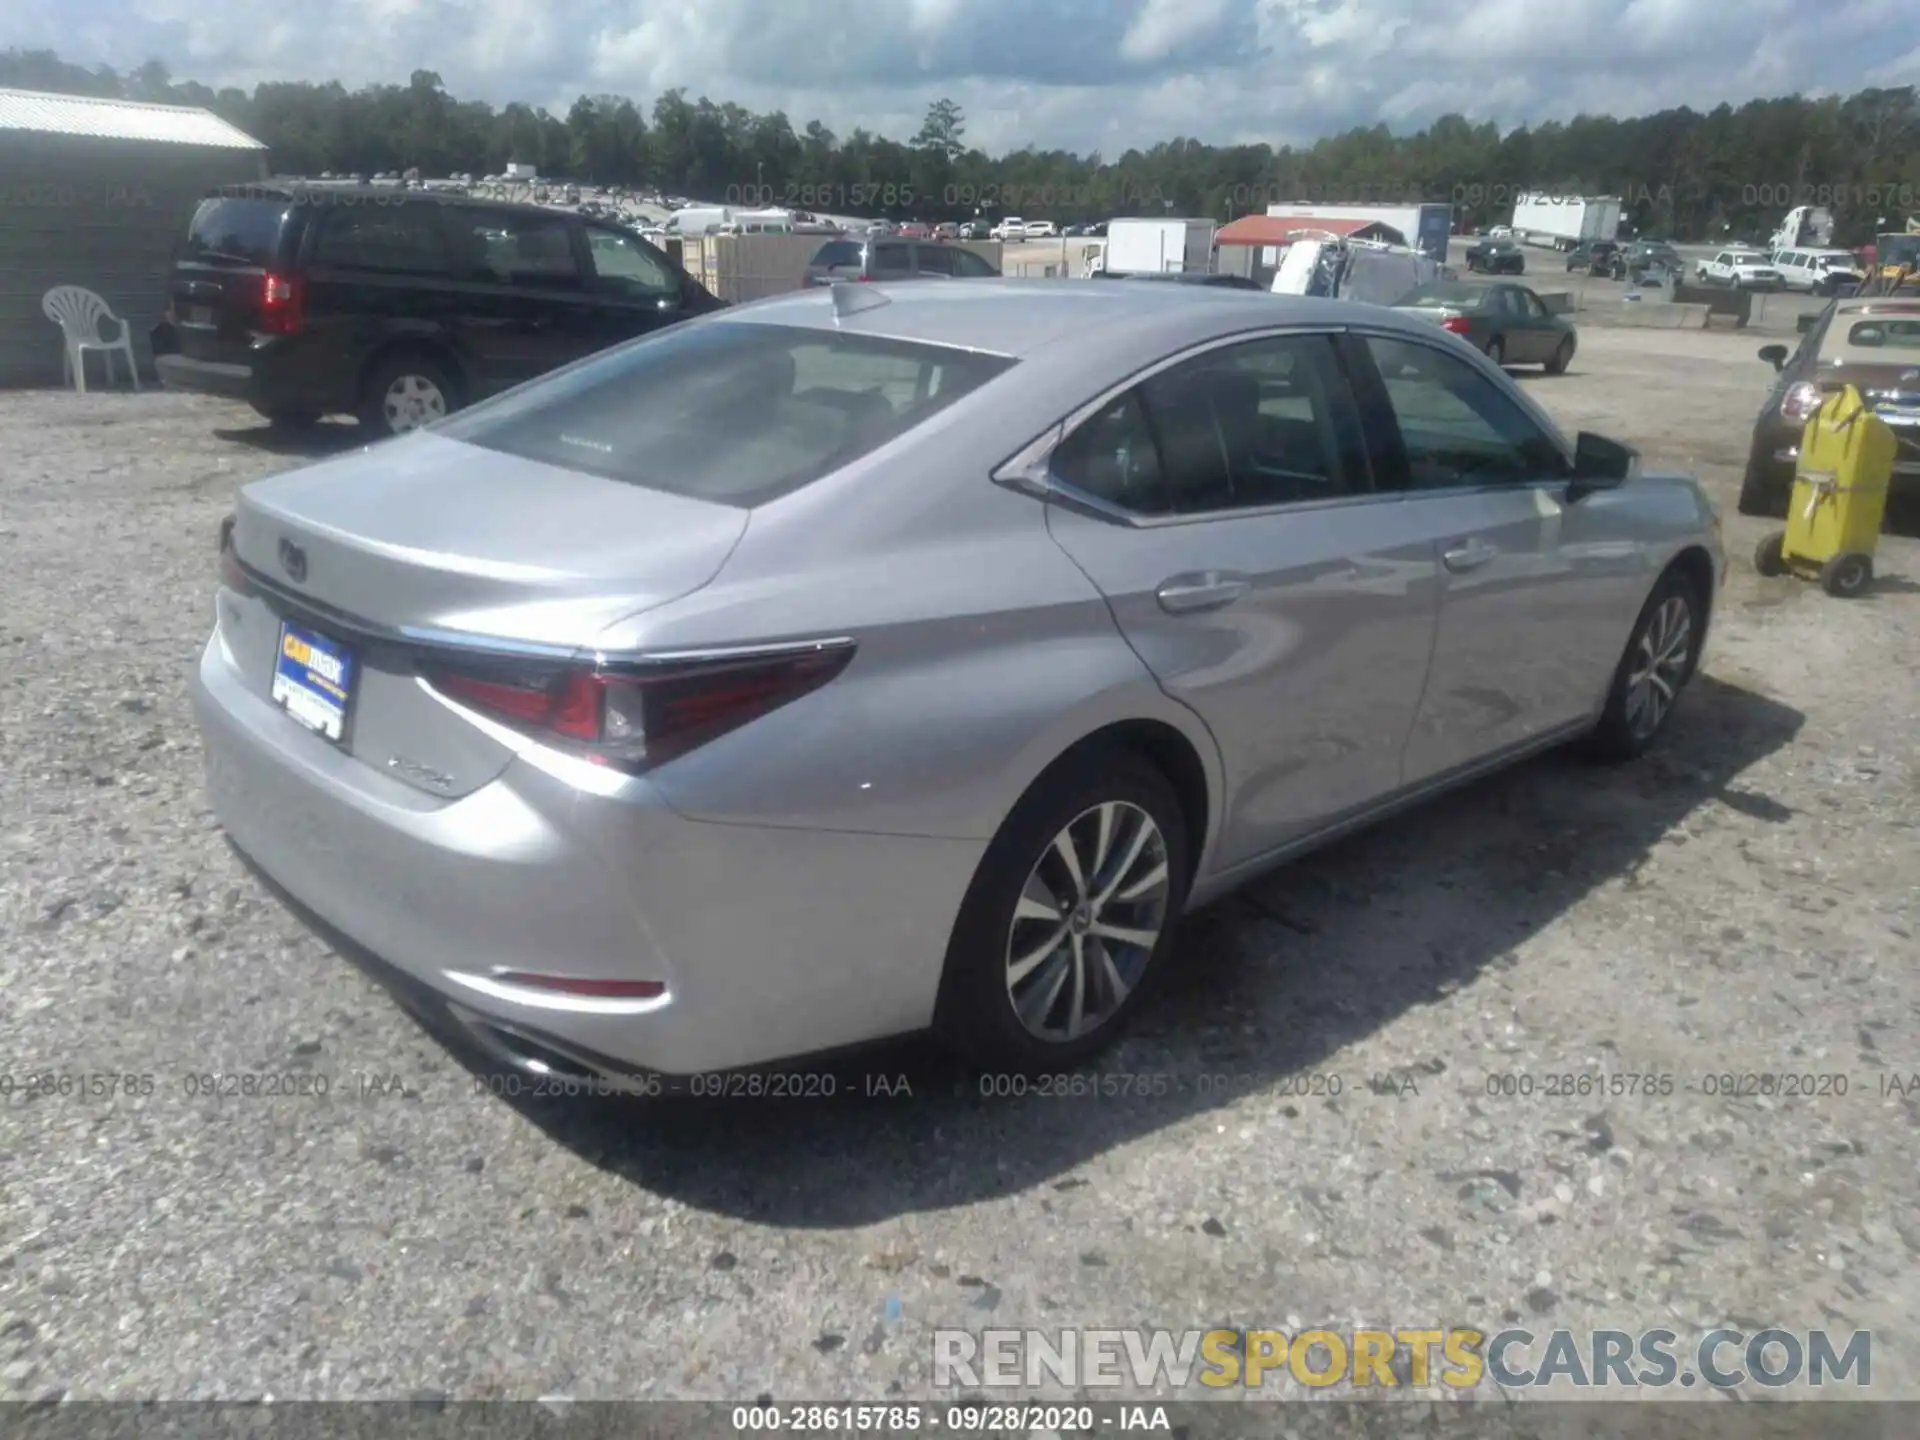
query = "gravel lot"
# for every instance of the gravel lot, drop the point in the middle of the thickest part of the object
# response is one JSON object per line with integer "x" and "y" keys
{"x": 1743, "y": 902}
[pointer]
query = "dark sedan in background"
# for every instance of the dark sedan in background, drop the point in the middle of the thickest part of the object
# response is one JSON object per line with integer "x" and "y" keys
{"x": 1593, "y": 257}
{"x": 1507, "y": 321}
{"x": 1872, "y": 343}
{"x": 1497, "y": 257}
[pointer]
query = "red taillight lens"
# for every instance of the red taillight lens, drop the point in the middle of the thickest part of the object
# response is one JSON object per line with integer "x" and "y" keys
{"x": 636, "y": 720}
{"x": 1458, "y": 324}
{"x": 279, "y": 305}
{"x": 231, "y": 575}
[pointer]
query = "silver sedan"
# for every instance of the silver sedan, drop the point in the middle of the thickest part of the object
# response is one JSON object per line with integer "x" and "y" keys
{"x": 877, "y": 659}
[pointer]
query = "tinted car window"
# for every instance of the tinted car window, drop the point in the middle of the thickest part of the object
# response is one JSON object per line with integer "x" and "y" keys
{"x": 629, "y": 266}
{"x": 1536, "y": 308}
{"x": 1113, "y": 457}
{"x": 969, "y": 266}
{"x": 889, "y": 260}
{"x": 1457, "y": 428}
{"x": 934, "y": 260}
{"x": 230, "y": 231}
{"x": 737, "y": 414}
{"x": 838, "y": 252}
{"x": 514, "y": 249}
{"x": 386, "y": 239}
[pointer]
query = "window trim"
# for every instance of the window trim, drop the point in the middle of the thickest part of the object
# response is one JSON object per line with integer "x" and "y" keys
{"x": 1028, "y": 469}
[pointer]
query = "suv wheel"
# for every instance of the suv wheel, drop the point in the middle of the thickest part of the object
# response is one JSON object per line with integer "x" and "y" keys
{"x": 1070, "y": 916}
{"x": 405, "y": 392}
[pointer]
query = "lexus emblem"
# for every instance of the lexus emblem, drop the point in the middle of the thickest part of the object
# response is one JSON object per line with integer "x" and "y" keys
{"x": 293, "y": 560}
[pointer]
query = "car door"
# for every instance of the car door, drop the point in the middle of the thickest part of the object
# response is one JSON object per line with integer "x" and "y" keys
{"x": 1523, "y": 338}
{"x": 371, "y": 272}
{"x": 634, "y": 289}
{"x": 1224, "y": 506}
{"x": 1544, "y": 329}
{"x": 522, "y": 293}
{"x": 1538, "y": 588}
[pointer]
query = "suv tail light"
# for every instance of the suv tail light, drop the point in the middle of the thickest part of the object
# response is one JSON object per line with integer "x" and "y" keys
{"x": 1798, "y": 404}
{"x": 1457, "y": 324}
{"x": 280, "y": 305}
{"x": 633, "y": 720}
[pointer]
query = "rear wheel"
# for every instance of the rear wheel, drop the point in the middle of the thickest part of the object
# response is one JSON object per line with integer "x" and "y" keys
{"x": 405, "y": 392}
{"x": 1561, "y": 358}
{"x": 1847, "y": 575}
{"x": 1497, "y": 350}
{"x": 1069, "y": 918}
{"x": 1770, "y": 555}
{"x": 1658, "y": 662}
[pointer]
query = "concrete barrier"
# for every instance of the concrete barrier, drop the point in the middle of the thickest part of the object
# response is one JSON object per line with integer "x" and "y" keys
{"x": 1642, "y": 314}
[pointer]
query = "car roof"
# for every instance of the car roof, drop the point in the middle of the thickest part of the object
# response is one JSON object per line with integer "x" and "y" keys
{"x": 388, "y": 196}
{"x": 1018, "y": 318}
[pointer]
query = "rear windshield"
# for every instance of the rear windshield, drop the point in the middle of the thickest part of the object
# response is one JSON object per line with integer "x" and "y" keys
{"x": 838, "y": 252}
{"x": 229, "y": 231}
{"x": 738, "y": 414}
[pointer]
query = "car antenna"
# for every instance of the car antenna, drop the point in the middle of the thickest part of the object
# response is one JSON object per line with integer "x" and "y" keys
{"x": 851, "y": 299}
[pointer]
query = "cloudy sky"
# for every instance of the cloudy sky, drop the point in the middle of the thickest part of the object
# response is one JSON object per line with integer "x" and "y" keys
{"x": 1082, "y": 74}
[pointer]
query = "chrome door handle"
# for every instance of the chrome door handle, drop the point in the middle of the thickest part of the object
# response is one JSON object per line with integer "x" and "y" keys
{"x": 1207, "y": 590}
{"x": 1470, "y": 556}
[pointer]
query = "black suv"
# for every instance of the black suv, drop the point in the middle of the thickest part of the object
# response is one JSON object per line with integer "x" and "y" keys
{"x": 894, "y": 257}
{"x": 1596, "y": 257}
{"x": 398, "y": 306}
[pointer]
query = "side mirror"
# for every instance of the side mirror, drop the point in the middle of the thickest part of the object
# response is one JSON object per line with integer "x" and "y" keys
{"x": 1600, "y": 463}
{"x": 1774, "y": 355}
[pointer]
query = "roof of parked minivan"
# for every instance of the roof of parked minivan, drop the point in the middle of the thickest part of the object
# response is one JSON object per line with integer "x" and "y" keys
{"x": 346, "y": 191}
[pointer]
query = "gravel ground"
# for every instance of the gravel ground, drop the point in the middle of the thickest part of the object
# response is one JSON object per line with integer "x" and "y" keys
{"x": 1741, "y": 903}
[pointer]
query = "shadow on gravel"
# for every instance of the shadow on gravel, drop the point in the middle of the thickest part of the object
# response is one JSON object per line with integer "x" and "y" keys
{"x": 329, "y": 437}
{"x": 1267, "y": 985}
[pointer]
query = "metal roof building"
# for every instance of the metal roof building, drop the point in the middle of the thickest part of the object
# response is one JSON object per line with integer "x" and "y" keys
{"x": 97, "y": 193}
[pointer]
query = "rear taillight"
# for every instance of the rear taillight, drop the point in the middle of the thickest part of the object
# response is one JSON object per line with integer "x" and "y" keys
{"x": 635, "y": 719}
{"x": 1458, "y": 324}
{"x": 1800, "y": 402}
{"x": 231, "y": 574}
{"x": 280, "y": 310}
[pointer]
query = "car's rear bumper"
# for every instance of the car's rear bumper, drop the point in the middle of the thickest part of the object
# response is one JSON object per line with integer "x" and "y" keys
{"x": 205, "y": 377}
{"x": 771, "y": 942}
{"x": 293, "y": 374}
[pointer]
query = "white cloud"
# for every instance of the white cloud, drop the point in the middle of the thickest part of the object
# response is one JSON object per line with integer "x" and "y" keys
{"x": 1077, "y": 74}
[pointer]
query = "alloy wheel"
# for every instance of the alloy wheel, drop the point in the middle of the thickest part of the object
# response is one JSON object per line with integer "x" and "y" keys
{"x": 1087, "y": 921}
{"x": 1660, "y": 666}
{"x": 412, "y": 401}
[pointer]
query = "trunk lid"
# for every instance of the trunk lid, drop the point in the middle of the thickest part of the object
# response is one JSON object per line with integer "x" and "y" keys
{"x": 218, "y": 285}
{"x": 428, "y": 534}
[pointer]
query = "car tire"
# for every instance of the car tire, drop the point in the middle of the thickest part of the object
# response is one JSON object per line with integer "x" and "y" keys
{"x": 1759, "y": 498}
{"x": 1497, "y": 351}
{"x": 1770, "y": 555}
{"x": 1561, "y": 358}
{"x": 1659, "y": 660}
{"x": 1015, "y": 906}
{"x": 1847, "y": 575}
{"x": 405, "y": 391}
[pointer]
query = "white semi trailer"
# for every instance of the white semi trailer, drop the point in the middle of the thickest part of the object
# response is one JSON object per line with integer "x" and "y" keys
{"x": 1561, "y": 222}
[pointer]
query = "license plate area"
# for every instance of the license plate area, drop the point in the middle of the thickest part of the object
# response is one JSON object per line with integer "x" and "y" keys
{"x": 200, "y": 316}
{"x": 313, "y": 681}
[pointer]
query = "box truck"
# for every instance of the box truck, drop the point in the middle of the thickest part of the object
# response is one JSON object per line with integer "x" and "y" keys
{"x": 1155, "y": 247}
{"x": 1425, "y": 226}
{"x": 1561, "y": 222}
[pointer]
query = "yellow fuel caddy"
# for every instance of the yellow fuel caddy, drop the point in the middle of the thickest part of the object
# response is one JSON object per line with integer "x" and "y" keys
{"x": 1839, "y": 498}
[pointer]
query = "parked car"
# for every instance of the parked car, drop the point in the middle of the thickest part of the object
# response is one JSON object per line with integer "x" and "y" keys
{"x": 946, "y": 230}
{"x": 1741, "y": 269}
{"x": 1506, "y": 322}
{"x": 1818, "y": 272}
{"x": 1872, "y": 343}
{"x": 309, "y": 301}
{"x": 1593, "y": 257}
{"x": 1496, "y": 257}
{"x": 1011, "y": 227}
{"x": 974, "y": 230}
{"x": 1643, "y": 257}
{"x": 882, "y": 227}
{"x": 914, "y": 230}
{"x": 1500, "y": 232}
{"x": 565, "y": 775}
{"x": 894, "y": 258}
{"x": 1041, "y": 230}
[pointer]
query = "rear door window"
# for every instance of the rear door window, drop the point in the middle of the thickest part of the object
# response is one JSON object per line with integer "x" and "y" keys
{"x": 384, "y": 239}
{"x": 509, "y": 247}
{"x": 969, "y": 266}
{"x": 1457, "y": 428}
{"x": 736, "y": 413}
{"x": 890, "y": 260}
{"x": 933, "y": 260}
{"x": 836, "y": 254}
{"x": 234, "y": 231}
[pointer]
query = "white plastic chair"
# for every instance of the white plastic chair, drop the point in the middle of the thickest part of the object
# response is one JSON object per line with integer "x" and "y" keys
{"x": 78, "y": 312}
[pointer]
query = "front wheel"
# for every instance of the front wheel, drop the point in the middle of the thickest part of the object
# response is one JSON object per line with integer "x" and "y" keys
{"x": 1659, "y": 661}
{"x": 1069, "y": 917}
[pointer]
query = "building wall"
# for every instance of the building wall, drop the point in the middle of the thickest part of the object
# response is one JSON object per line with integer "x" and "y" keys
{"x": 106, "y": 214}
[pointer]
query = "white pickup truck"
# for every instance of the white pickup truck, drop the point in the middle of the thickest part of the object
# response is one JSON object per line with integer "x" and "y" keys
{"x": 1742, "y": 269}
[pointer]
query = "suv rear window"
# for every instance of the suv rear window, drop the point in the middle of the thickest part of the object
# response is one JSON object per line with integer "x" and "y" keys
{"x": 838, "y": 252}
{"x": 230, "y": 231}
{"x": 736, "y": 414}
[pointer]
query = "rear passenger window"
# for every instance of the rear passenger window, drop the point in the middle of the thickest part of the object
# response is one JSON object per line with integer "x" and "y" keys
{"x": 889, "y": 260}
{"x": 510, "y": 248}
{"x": 387, "y": 240}
{"x": 969, "y": 266}
{"x": 934, "y": 260}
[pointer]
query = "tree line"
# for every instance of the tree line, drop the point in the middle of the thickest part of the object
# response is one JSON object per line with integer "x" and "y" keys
{"x": 1725, "y": 173}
